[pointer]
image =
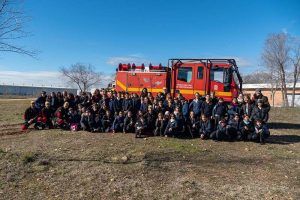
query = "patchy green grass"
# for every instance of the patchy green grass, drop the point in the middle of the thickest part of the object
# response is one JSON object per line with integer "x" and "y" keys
{"x": 55, "y": 164}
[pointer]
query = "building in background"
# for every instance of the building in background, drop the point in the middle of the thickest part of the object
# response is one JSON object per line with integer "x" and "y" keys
{"x": 277, "y": 99}
{"x": 31, "y": 91}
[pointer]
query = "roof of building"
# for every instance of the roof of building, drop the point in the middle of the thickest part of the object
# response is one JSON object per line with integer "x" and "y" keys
{"x": 254, "y": 86}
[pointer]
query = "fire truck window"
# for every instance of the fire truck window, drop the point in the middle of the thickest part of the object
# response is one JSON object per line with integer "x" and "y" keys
{"x": 217, "y": 74}
{"x": 185, "y": 74}
{"x": 200, "y": 73}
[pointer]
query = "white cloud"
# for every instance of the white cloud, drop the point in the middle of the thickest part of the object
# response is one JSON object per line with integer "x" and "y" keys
{"x": 42, "y": 78}
{"x": 243, "y": 62}
{"x": 284, "y": 30}
{"x": 240, "y": 61}
{"x": 133, "y": 58}
{"x": 37, "y": 78}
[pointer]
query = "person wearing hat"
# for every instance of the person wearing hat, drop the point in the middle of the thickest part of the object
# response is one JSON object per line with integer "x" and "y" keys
{"x": 40, "y": 101}
{"x": 221, "y": 133}
{"x": 30, "y": 116}
{"x": 258, "y": 95}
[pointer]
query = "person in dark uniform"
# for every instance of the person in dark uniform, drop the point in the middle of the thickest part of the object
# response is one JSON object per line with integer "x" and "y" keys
{"x": 260, "y": 133}
{"x": 128, "y": 123}
{"x": 30, "y": 116}
{"x": 40, "y": 101}
{"x": 205, "y": 128}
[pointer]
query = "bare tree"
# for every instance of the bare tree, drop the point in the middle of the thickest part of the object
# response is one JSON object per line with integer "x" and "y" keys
{"x": 12, "y": 22}
{"x": 273, "y": 81}
{"x": 276, "y": 57}
{"x": 82, "y": 75}
{"x": 295, "y": 59}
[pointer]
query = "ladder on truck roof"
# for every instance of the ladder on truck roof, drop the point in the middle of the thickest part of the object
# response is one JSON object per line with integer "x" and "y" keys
{"x": 232, "y": 62}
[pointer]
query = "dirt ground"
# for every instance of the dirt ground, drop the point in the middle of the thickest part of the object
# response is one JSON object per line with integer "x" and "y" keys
{"x": 55, "y": 164}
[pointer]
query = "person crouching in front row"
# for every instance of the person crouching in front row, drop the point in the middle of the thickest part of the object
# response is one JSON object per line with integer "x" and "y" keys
{"x": 247, "y": 128}
{"x": 171, "y": 129}
{"x": 128, "y": 123}
{"x": 118, "y": 123}
{"x": 30, "y": 116}
{"x": 260, "y": 133}
{"x": 140, "y": 127}
{"x": 205, "y": 128}
{"x": 62, "y": 117}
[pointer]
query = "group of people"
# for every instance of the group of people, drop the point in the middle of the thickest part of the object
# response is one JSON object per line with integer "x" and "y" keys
{"x": 207, "y": 117}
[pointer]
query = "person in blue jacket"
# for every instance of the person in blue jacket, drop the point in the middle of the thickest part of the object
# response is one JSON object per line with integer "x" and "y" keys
{"x": 185, "y": 109}
{"x": 196, "y": 105}
{"x": 40, "y": 101}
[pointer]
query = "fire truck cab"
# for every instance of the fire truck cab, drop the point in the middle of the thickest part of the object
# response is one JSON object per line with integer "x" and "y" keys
{"x": 205, "y": 76}
{"x": 185, "y": 76}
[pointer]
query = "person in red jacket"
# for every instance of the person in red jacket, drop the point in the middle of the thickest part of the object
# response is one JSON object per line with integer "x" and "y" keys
{"x": 62, "y": 116}
{"x": 47, "y": 115}
{"x": 30, "y": 116}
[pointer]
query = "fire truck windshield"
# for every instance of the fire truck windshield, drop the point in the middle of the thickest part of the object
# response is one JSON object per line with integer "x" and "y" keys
{"x": 185, "y": 74}
{"x": 235, "y": 78}
{"x": 217, "y": 74}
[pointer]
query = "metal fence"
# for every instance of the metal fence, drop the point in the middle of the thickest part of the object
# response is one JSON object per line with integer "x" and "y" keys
{"x": 31, "y": 90}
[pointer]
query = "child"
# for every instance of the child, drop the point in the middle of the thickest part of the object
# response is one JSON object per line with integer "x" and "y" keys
{"x": 207, "y": 107}
{"x": 247, "y": 106}
{"x": 150, "y": 119}
{"x": 159, "y": 125}
{"x": 86, "y": 121}
{"x": 127, "y": 104}
{"x": 107, "y": 121}
{"x": 185, "y": 109}
{"x": 74, "y": 120}
{"x": 30, "y": 116}
{"x": 219, "y": 111}
{"x": 205, "y": 128}
{"x": 140, "y": 126}
{"x": 118, "y": 123}
{"x": 193, "y": 124}
{"x": 196, "y": 105}
{"x": 128, "y": 123}
{"x": 221, "y": 132}
{"x": 235, "y": 109}
{"x": 234, "y": 127}
{"x": 47, "y": 115}
{"x": 62, "y": 116}
{"x": 179, "y": 119}
{"x": 247, "y": 128}
{"x": 171, "y": 129}
{"x": 260, "y": 112}
{"x": 261, "y": 132}
{"x": 160, "y": 107}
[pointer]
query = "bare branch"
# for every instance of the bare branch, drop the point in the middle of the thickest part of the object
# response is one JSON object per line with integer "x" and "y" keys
{"x": 12, "y": 22}
{"x": 82, "y": 75}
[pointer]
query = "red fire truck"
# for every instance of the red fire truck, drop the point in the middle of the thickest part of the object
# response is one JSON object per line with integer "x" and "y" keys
{"x": 185, "y": 76}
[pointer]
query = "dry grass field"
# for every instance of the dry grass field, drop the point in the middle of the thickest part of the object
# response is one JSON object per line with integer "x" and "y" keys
{"x": 55, "y": 164}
